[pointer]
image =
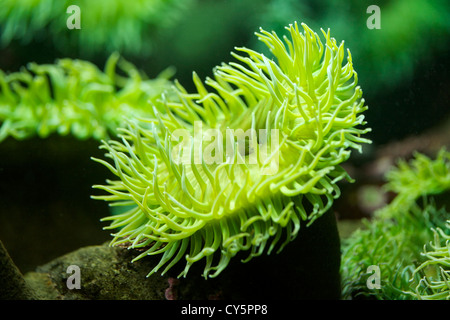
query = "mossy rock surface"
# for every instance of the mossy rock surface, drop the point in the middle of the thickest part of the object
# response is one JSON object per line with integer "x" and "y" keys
{"x": 307, "y": 268}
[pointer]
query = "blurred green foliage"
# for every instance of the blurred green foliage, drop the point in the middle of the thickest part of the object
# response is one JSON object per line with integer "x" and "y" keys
{"x": 106, "y": 25}
{"x": 198, "y": 34}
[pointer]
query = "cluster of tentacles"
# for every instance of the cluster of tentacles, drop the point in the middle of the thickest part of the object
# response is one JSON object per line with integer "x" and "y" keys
{"x": 242, "y": 162}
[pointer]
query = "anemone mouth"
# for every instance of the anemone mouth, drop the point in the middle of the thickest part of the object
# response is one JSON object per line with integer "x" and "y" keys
{"x": 233, "y": 168}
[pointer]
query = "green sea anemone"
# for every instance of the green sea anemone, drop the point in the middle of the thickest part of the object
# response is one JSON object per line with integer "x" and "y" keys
{"x": 240, "y": 166}
{"x": 74, "y": 96}
{"x": 395, "y": 237}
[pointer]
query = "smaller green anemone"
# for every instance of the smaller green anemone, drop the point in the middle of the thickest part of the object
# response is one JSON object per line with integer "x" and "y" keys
{"x": 238, "y": 166}
{"x": 74, "y": 96}
{"x": 393, "y": 239}
{"x": 434, "y": 283}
